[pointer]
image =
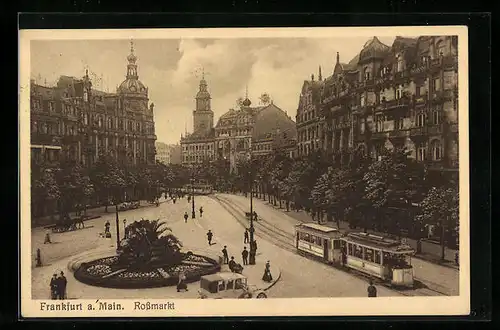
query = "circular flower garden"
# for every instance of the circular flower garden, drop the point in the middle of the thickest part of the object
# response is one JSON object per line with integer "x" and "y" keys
{"x": 146, "y": 258}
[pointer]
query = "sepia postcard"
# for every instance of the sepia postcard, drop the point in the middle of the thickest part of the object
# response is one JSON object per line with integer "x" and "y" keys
{"x": 244, "y": 172}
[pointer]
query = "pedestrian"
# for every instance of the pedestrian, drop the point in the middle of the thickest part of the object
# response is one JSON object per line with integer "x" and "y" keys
{"x": 47, "y": 238}
{"x": 189, "y": 199}
{"x": 224, "y": 255}
{"x": 232, "y": 264}
{"x": 53, "y": 287}
{"x": 38, "y": 258}
{"x": 186, "y": 216}
{"x": 372, "y": 290}
{"x": 244, "y": 255}
{"x": 267, "y": 277}
{"x": 106, "y": 227}
{"x": 246, "y": 237}
{"x": 181, "y": 285}
{"x": 201, "y": 211}
{"x": 209, "y": 237}
{"x": 61, "y": 286}
{"x": 174, "y": 200}
{"x": 457, "y": 259}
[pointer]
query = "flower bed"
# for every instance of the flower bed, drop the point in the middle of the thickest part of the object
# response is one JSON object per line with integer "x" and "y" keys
{"x": 99, "y": 273}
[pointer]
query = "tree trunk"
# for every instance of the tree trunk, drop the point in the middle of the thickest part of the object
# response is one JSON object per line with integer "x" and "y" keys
{"x": 287, "y": 205}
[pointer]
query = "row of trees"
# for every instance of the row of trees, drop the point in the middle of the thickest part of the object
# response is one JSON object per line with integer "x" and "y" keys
{"x": 393, "y": 194}
{"x": 69, "y": 186}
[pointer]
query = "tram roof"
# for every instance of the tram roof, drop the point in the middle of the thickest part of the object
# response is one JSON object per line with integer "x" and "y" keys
{"x": 321, "y": 228}
{"x": 383, "y": 243}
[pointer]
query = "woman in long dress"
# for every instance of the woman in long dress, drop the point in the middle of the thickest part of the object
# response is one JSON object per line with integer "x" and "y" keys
{"x": 267, "y": 273}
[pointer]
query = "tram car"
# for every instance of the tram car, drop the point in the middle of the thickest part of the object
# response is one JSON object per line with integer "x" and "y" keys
{"x": 381, "y": 257}
{"x": 319, "y": 241}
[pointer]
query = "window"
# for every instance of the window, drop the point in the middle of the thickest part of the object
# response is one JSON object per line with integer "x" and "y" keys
{"x": 379, "y": 123}
{"x": 398, "y": 123}
{"x": 420, "y": 120}
{"x": 421, "y": 153}
{"x": 362, "y": 100}
{"x": 110, "y": 122}
{"x": 120, "y": 124}
{"x": 435, "y": 118}
{"x": 423, "y": 59}
{"x": 86, "y": 119}
{"x": 34, "y": 127}
{"x": 400, "y": 63}
{"x": 369, "y": 255}
{"x": 437, "y": 84}
{"x": 100, "y": 121}
{"x": 377, "y": 257}
{"x": 436, "y": 150}
{"x": 230, "y": 285}
{"x": 349, "y": 249}
{"x": 336, "y": 244}
{"x": 366, "y": 74}
{"x": 138, "y": 127}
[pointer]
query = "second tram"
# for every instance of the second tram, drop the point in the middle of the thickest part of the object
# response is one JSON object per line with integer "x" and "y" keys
{"x": 381, "y": 257}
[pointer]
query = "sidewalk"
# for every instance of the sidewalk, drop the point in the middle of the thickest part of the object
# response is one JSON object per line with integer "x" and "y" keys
{"x": 431, "y": 252}
{"x": 91, "y": 214}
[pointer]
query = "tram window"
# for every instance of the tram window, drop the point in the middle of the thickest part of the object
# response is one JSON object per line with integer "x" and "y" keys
{"x": 336, "y": 244}
{"x": 369, "y": 255}
{"x": 230, "y": 285}
{"x": 319, "y": 241}
{"x": 359, "y": 252}
{"x": 221, "y": 285}
{"x": 377, "y": 257}
{"x": 349, "y": 249}
{"x": 306, "y": 237}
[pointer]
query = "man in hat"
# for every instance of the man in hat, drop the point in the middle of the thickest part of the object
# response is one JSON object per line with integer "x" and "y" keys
{"x": 201, "y": 211}
{"x": 224, "y": 255}
{"x": 210, "y": 235}
{"x": 232, "y": 264}
{"x": 246, "y": 240}
{"x": 61, "y": 286}
{"x": 244, "y": 255}
{"x": 106, "y": 227}
{"x": 186, "y": 216}
{"x": 372, "y": 290}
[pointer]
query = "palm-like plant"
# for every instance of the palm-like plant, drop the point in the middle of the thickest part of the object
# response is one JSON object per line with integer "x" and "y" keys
{"x": 147, "y": 242}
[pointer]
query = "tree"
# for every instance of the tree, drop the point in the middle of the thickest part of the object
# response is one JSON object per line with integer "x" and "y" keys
{"x": 44, "y": 189}
{"x": 108, "y": 179}
{"x": 440, "y": 208}
{"x": 393, "y": 182}
{"x": 329, "y": 192}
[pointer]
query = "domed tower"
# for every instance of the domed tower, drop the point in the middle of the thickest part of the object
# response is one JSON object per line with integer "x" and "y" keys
{"x": 132, "y": 87}
{"x": 203, "y": 116}
{"x": 371, "y": 57}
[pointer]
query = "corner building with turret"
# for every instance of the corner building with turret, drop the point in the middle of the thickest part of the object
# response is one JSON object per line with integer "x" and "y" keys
{"x": 73, "y": 121}
{"x": 404, "y": 95}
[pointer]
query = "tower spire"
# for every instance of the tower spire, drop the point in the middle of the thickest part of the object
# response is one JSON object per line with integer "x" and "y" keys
{"x": 320, "y": 77}
{"x": 202, "y": 73}
{"x": 338, "y": 57}
{"x": 131, "y": 46}
{"x": 246, "y": 91}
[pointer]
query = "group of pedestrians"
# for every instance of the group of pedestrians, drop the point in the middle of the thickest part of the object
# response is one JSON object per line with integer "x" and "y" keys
{"x": 58, "y": 286}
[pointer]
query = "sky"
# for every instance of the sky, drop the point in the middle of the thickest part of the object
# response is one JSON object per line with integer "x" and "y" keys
{"x": 171, "y": 69}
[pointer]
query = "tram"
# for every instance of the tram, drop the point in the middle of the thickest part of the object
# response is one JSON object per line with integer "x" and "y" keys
{"x": 319, "y": 241}
{"x": 381, "y": 257}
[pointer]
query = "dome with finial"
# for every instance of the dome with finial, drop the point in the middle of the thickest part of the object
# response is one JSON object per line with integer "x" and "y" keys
{"x": 132, "y": 85}
{"x": 373, "y": 49}
{"x": 246, "y": 102}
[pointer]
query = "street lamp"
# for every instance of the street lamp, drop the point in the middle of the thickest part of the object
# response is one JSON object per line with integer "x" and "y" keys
{"x": 253, "y": 246}
{"x": 124, "y": 226}
{"x": 193, "y": 213}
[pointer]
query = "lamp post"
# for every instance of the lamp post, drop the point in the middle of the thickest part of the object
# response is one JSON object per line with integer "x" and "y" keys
{"x": 124, "y": 226}
{"x": 117, "y": 227}
{"x": 253, "y": 246}
{"x": 193, "y": 213}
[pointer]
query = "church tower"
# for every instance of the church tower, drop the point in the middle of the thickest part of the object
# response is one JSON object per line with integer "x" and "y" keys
{"x": 203, "y": 116}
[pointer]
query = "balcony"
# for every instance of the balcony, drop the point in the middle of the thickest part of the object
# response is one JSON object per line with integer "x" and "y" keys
{"x": 398, "y": 134}
{"x": 418, "y": 131}
{"x": 421, "y": 69}
{"x": 394, "y": 104}
{"x": 379, "y": 135}
{"x": 45, "y": 139}
{"x": 434, "y": 129}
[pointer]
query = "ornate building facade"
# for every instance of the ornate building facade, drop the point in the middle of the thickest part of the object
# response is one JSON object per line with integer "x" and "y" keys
{"x": 168, "y": 153}
{"x": 73, "y": 121}
{"x": 400, "y": 95}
